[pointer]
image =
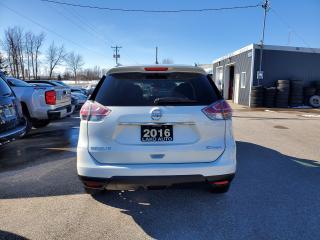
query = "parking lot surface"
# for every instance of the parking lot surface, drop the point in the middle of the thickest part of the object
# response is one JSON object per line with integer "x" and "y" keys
{"x": 275, "y": 194}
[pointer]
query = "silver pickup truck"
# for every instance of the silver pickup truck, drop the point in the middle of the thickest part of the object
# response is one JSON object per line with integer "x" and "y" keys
{"x": 41, "y": 102}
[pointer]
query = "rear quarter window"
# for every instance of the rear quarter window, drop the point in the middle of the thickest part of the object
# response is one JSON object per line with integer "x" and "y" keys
{"x": 18, "y": 83}
{"x": 4, "y": 88}
{"x": 144, "y": 89}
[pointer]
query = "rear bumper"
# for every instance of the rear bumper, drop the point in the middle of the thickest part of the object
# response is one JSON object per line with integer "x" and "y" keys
{"x": 10, "y": 135}
{"x": 61, "y": 112}
{"x": 88, "y": 167}
{"x": 127, "y": 182}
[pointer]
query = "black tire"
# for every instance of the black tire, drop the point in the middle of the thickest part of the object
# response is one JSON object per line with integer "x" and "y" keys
{"x": 40, "y": 123}
{"x": 309, "y": 91}
{"x": 283, "y": 82}
{"x": 317, "y": 84}
{"x": 283, "y": 86}
{"x": 219, "y": 189}
{"x": 259, "y": 88}
{"x": 27, "y": 118}
{"x": 314, "y": 101}
{"x": 252, "y": 105}
{"x": 93, "y": 191}
{"x": 256, "y": 99}
{"x": 257, "y": 96}
{"x": 296, "y": 96}
{"x": 282, "y": 100}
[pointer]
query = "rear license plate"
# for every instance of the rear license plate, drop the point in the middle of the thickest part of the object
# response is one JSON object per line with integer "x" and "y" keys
{"x": 156, "y": 133}
{"x": 7, "y": 113}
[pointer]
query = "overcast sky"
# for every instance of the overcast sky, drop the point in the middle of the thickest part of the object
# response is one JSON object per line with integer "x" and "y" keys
{"x": 185, "y": 38}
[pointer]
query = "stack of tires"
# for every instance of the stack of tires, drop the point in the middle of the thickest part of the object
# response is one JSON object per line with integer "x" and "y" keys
{"x": 283, "y": 91}
{"x": 296, "y": 93}
{"x": 308, "y": 93}
{"x": 269, "y": 97}
{"x": 317, "y": 85}
{"x": 257, "y": 96}
{"x": 314, "y": 100}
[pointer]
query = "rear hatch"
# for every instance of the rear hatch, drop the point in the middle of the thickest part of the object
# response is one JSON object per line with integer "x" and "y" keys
{"x": 8, "y": 113}
{"x": 154, "y": 118}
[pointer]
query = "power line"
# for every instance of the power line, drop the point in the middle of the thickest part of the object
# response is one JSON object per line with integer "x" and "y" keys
{"x": 69, "y": 19}
{"x": 86, "y": 22}
{"x": 49, "y": 30}
{"x": 151, "y": 11}
{"x": 291, "y": 29}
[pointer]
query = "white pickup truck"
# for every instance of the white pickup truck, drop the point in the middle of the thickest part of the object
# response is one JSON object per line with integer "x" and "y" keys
{"x": 41, "y": 103}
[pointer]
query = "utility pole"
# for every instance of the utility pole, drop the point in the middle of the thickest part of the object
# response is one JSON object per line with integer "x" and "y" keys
{"x": 157, "y": 55}
{"x": 266, "y": 7}
{"x": 116, "y": 54}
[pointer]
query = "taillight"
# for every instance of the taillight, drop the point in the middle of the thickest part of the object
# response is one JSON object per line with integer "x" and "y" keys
{"x": 93, "y": 111}
{"x": 51, "y": 97}
{"x": 218, "y": 110}
{"x": 156, "y": 69}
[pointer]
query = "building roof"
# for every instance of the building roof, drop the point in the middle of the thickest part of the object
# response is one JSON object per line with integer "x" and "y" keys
{"x": 269, "y": 47}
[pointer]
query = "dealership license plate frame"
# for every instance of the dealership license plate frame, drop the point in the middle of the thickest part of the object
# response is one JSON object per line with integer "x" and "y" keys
{"x": 159, "y": 137}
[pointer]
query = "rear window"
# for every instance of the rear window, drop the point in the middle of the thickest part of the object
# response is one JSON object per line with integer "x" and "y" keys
{"x": 18, "y": 83}
{"x": 4, "y": 88}
{"x": 149, "y": 89}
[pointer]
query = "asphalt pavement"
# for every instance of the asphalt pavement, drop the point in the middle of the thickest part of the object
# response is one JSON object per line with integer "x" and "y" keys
{"x": 275, "y": 194}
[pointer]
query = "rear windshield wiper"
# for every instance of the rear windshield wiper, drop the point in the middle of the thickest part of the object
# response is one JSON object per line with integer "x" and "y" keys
{"x": 173, "y": 100}
{"x": 6, "y": 95}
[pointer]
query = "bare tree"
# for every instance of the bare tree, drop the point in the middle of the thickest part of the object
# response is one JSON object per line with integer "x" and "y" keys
{"x": 37, "y": 45}
{"x": 13, "y": 45}
{"x": 167, "y": 61}
{"x": 75, "y": 63}
{"x": 55, "y": 57}
{"x": 3, "y": 62}
{"x": 28, "y": 48}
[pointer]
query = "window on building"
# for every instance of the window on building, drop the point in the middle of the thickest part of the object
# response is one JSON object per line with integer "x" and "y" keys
{"x": 219, "y": 77}
{"x": 243, "y": 79}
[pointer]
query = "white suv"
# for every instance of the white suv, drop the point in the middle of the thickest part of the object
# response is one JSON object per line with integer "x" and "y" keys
{"x": 151, "y": 126}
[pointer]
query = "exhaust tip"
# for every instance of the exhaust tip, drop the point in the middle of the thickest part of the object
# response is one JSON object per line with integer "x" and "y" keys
{"x": 93, "y": 184}
{"x": 220, "y": 183}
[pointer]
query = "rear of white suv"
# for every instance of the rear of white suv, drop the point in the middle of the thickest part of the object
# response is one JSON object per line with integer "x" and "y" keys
{"x": 147, "y": 126}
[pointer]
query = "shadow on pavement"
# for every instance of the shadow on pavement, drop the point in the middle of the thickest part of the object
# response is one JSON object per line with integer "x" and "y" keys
{"x": 275, "y": 118}
{"x": 10, "y": 236}
{"x": 40, "y": 145}
{"x": 273, "y": 196}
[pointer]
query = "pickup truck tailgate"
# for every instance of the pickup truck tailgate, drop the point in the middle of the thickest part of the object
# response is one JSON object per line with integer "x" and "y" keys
{"x": 63, "y": 96}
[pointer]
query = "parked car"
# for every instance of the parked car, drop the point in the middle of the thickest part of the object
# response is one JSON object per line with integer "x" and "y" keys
{"x": 76, "y": 88}
{"x": 155, "y": 126}
{"x": 41, "y": 104}
{"x": 80, "y": 89}
{"x": 12, "y": 122}
{"x": 90, "y": 88}
{"x": 78, "y": 96}
{"x": 74, "y": 99}
{"x": 73, "y": 104}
